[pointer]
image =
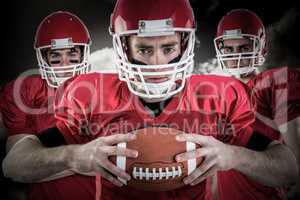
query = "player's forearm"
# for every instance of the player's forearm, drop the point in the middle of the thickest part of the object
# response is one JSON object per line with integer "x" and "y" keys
{"x": 291, "y": 136}
{"x": 32, "y": 162}
{"x": 275, "y": 166}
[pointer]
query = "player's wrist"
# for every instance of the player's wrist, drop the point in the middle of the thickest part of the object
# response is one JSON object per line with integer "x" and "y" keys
{"x": 237, "y": 157}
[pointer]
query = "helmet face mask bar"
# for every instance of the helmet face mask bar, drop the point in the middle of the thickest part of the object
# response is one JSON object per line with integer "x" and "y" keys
{"x": 61, "y": 30}
{"x": 172, "y": 76}
{"x": 240, "y": 24}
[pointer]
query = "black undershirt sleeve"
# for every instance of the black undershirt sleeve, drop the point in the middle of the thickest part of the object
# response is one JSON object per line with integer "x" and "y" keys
{"x": 258, "y": 142}
{"x": 51, "y": 137}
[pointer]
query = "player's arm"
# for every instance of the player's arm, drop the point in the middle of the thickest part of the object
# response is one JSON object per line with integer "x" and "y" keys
{"x": 45, "y": 157}
{"x": 28, "y": 160}
{"x": 283, "y": 157}
{"x": 263, "y": 160}
{"x": 270, "y": 163}
{"x": 73, "y": 108}
{"x": 291, "y": 135}
{"x": 275, "y": 166}
{"x": 23, "y": 148}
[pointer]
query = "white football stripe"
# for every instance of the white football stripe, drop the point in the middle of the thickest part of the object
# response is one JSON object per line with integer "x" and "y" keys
{"x": 190, "y": 146}
{"x": 121, "y": 161}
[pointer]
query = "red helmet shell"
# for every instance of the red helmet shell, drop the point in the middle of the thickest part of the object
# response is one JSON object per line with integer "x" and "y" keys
{"x": 245, "y": 20}
{"x": 127, "y": 13}
{"x": 59, "y": 25}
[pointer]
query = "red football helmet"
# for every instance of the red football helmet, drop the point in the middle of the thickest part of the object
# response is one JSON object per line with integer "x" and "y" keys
{"x": 149, "y": 19}
{"x": 238, "y": 24}
{"x": 61, "y": 30}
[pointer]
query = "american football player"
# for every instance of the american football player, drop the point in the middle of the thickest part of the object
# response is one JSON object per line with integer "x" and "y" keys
{"x": 153, "y": 42}
{"x": 240, "y": 46}
{"x": 62, "y": 44}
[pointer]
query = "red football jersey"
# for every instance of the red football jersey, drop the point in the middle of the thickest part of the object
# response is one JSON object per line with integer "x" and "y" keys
{"x": 95, "y": 105}
{"x": 276, "y": 95}
{"x": 27, "y": 107}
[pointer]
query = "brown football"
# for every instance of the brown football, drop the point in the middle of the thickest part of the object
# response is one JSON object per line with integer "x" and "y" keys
{"x": 155, "y": 168}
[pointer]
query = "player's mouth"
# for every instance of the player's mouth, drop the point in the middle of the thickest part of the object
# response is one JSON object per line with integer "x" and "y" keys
{"x": 158, "y": 79}
{"x": 66, "y": 74}
{"x": 235, "y": 66}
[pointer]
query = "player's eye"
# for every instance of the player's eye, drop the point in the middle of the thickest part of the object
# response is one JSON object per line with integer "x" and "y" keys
{"x": 227, "y": 50}
{"x": 74, "y": 54}
{"x": 145, "y": 51}
{"x": 54, "y": 56}
{"x": 246, "y": 49}
{"x": 169, "y": 50}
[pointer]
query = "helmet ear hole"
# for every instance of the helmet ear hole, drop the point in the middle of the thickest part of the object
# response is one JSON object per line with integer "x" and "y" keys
{"x": 81, "y": 48}
{"x": 184, "y": 41}
{"x": 125, "y": 45}
{"x": 44, "y": 55}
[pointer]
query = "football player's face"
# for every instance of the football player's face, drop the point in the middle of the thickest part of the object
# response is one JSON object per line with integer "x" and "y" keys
{"x": 64, "y": 57}
{"x": 157, "y": 50}
{"x": 154, "y": 50}
{"x": 243, "y": 45}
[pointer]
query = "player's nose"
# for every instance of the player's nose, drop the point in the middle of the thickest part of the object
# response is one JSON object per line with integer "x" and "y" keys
{"x": 65, "y": 60}
{"x": 158, "y": 59}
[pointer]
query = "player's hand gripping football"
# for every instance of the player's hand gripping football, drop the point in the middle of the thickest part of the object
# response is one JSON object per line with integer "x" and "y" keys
{"x": 92, "y": 158}
{"x": 217, "y": 156}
